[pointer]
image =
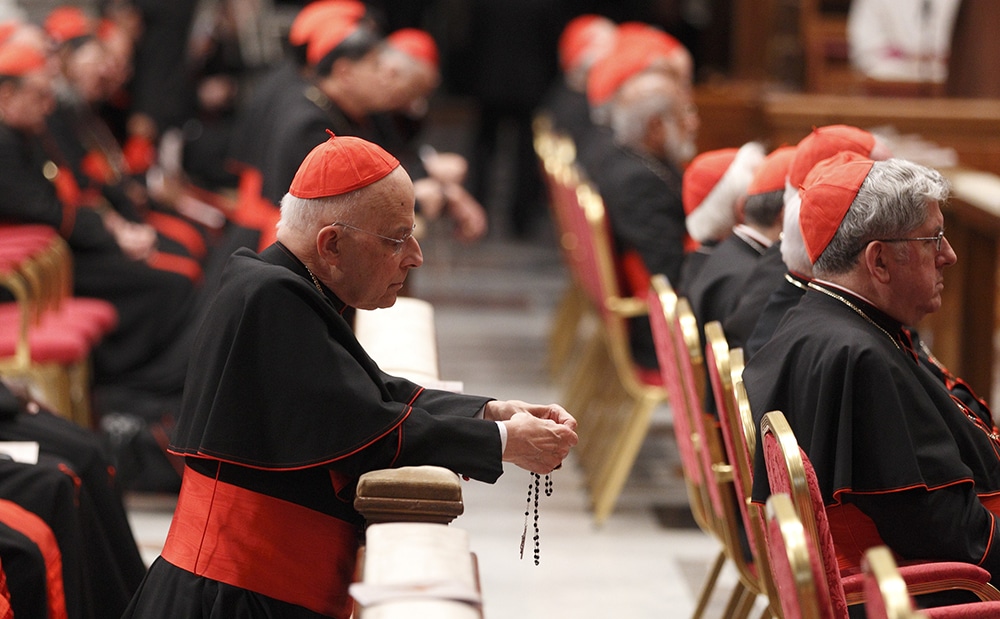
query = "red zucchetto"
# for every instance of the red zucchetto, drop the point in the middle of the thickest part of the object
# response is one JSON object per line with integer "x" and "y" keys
{"x": 713, "y": 185}
{"x": 827, "y": 194}
{"x": 315, "y": 16}
{"x": 19, "y": 59}
{"x": 580, "y": 37}
{"x": 772, "y": 172}
{"x": 416, "y": 44}
{"x": 826, "y": 142}
{"x": 341, "y": 165}
{"x": 329, "y": 37}
{"x": 638, "y": 47}
{"x": 66, "y": 23}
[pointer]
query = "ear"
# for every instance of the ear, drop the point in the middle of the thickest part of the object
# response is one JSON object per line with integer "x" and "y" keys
{"x": 655, "y": 135}
{"x": 876, "y": 257}
{"x": 328, "y": 244}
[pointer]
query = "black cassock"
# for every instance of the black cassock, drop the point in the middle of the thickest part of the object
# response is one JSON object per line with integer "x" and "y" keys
{"x": 283, "y": 410}
{"x": 888, "y": 441}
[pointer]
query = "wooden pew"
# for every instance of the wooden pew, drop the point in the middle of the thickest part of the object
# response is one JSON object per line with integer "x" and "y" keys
{"x": 412, "y": 564}
{"x": 417, "y": 570}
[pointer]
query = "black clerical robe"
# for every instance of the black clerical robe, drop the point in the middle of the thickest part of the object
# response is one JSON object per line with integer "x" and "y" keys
{"x": 283, "y": 410}
{"x": 642, "y": 197}
{"x": 768, "y": 273}
{"x": 153, "y": 306}
{"x": 898, "y": 458}
{"x": 716, "y": 288}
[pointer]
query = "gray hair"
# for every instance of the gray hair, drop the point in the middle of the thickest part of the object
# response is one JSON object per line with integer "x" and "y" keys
{"x": 303, "y": 215}
{"x": 629, "y": 120}
{"x": 891, "y": 203}
{"x": 793, "y": 246}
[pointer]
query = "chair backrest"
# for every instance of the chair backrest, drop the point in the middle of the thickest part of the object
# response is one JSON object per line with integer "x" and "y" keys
{"x": 662, "y": 301}
{"x": 886, "y": 596}
{"x": 721, "y": 372}
{"x": 691, "y": 360}
{"x": 797, "y": 573}
{"x": 789, "y": 471}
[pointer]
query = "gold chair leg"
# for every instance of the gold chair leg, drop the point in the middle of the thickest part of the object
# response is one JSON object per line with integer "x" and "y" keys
{"x": 708, "y": 587}
{"x": 612, "y": 480}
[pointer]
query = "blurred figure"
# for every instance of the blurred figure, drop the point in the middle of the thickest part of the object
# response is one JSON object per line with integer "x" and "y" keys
{"x": 737, "y": 237}
{"x": 652, "y": 125}
{"x": 901, "y": 40}
{"x": 584, "y": 41}
{"x": 509, "y": 64}
{"x": 411, "y": 63}
{"x": 767, "y": 188}
{"x": 109, "y": 254}
{"x": 714, "y": 186}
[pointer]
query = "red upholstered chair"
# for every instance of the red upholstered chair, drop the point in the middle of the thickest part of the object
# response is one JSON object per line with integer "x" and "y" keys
{"x": 725, "y": 369}
{"x": 886, "y": 596}
{"x": 797, "y": 572}
{"x": 612, "y": 398}
{"x": 556, "y": 154}
{"x": 46, "y": 335}
{"x": 663, "y": 303}
{"x": 789, "y": 471}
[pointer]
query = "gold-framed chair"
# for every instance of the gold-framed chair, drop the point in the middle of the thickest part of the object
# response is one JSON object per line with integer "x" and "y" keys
{"x": 612, "y": 398}
{"x": 663, "y": 320}
{"x": 46, "y": 334}
{"x": 790, "y": 471}
{"x": 725, "y": 368}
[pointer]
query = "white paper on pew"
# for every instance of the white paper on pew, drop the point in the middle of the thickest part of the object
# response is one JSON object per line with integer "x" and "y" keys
{"x": 401, "y": 339}
{"x": 25, "y": 452}
{"x": 416, "y": 560}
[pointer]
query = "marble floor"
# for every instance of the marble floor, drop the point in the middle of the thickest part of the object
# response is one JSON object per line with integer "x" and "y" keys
{"x": 493, "y": 305}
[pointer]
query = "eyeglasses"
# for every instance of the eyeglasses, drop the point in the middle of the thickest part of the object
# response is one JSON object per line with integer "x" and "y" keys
{"x": 937, "y": 238}
{"x": 397, "y": 244}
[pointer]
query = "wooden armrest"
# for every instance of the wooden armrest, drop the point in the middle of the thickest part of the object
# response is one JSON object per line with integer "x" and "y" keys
{"x": 410, "y": 494}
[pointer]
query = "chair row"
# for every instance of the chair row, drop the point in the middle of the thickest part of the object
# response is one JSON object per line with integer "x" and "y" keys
{"x": 46, "y": 333}
{"x": 718, "y": 453}
{"x": 612, "y": 398}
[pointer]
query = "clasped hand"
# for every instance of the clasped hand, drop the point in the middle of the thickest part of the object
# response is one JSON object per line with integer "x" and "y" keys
{"x": 539, "y": 436}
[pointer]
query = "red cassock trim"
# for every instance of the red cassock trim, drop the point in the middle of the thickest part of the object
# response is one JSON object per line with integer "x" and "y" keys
{"x": 267, "y": 545}
{"x": 35, "y": 529}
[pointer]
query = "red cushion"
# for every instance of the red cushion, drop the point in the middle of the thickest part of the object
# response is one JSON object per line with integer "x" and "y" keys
{"x": 48, "y": 344}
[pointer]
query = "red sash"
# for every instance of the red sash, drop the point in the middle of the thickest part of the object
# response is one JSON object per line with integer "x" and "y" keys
{"x": 267, "y": 545}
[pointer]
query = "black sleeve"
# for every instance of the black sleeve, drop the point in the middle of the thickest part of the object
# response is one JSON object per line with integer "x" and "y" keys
{"x": 947, "y": 524}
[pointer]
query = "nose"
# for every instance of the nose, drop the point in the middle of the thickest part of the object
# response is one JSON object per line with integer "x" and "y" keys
{"x": 414, "y": 256}
{"x": 947, "y": 255}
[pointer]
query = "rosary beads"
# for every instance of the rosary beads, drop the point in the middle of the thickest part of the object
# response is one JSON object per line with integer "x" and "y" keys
{"x": 534, "y": 491}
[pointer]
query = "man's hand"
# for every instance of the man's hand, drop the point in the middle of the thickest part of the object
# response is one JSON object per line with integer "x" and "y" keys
{"x": 539, "y": 437}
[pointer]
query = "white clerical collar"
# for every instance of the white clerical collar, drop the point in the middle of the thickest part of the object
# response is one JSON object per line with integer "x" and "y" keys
{"x": 829, "y": 284}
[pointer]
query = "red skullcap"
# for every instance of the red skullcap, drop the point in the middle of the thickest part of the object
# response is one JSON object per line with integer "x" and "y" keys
{"x": 317, "y": 15}
{"x": 638, "y": 47}
{"x": 68, "y": 22}
{"x": 341, "y": 165}
{"x": 416, "y": 44}
{"x": 826, "y": 142}
{"x": 701, "y": 175}
{"x": 773, "y": 171}
{"x": 828, "y": 194}
{"x": 576, "y": 38}
{"x": 7, "y": 28}
{"x": 328, "y": 38}
{"x": 18, "y": 59}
